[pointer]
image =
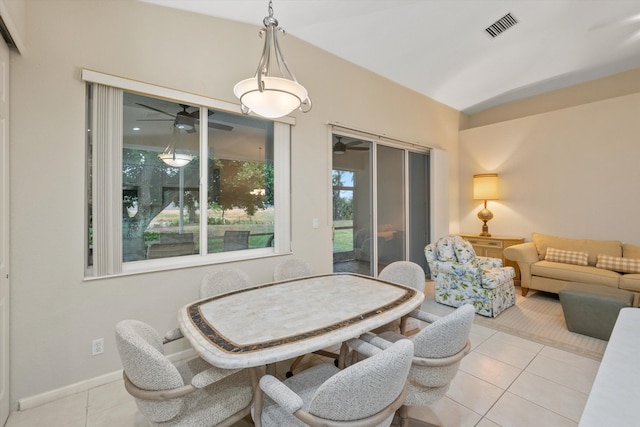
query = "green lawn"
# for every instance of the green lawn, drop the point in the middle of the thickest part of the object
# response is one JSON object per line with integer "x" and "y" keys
{"x": 262, "y": 223}
{"x": 343, "y": 238}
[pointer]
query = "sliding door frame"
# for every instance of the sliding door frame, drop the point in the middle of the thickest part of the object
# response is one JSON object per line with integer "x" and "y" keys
{"x": 375, "y": 140}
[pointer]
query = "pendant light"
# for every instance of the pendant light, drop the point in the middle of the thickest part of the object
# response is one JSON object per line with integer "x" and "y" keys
{"x": 273, "y": 91}
{"x": 172, "y": 158}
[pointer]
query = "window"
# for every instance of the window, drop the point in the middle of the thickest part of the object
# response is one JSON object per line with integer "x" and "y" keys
{"x": 167, "y": 191}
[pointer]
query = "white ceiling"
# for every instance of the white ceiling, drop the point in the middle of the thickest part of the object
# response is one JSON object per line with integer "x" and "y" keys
{"x": 440, "y": 48}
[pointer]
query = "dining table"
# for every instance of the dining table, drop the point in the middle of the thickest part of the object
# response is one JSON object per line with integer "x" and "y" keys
{"x": 277, "y": 321}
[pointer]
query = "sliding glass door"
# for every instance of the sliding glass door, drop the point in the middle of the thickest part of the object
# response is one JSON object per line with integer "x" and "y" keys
{"x": 390, "y": 205}
{"x": 352, "y": 206}
{"x": 380, "y": 204}
{"x": 418, "y": 207}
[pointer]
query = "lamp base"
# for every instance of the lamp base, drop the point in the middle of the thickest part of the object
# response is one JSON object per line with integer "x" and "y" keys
{"x": 485, "y": 230}
{"x": 485, "y": 215}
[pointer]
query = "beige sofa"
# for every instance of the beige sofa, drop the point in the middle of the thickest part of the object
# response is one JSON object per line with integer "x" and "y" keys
{"x": 538, "y": 272}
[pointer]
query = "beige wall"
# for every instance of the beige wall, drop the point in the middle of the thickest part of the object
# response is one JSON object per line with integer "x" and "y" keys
{"x": 571, "y": 172}
{"x": 624, "y": 83}
{"x": 55, "y": 313}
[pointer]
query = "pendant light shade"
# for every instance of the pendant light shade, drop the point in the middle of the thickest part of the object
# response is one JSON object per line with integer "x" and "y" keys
{"x": 273, "y": 91}
{"x": 173, "y": 159}
{"x": 277, "y": 98}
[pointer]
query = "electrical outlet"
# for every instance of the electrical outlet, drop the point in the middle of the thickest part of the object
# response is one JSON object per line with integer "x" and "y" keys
{"x": 97, "y": 346}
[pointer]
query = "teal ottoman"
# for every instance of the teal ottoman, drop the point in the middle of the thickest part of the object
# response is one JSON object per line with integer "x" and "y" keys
{"x": 592, "y": 309}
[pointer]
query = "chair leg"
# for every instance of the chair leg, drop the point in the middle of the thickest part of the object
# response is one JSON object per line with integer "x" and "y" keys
{"x": 403, "y": 324}
{"x": 403, "y": 417}
{"x": 403, "y": 414}
{"x": 258, "y": 400}
{"x": 299, "y": 359}
{"x": 293, "y": 366}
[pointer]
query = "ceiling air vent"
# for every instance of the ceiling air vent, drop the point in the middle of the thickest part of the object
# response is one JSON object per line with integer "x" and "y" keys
{"x": 501, "y": 25}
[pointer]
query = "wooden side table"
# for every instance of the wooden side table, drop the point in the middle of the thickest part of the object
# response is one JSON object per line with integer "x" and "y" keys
{"x": 493, "y": 247}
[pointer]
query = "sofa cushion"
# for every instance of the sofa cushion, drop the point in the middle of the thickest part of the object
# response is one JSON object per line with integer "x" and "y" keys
{"x": 630, "y": 282}
{"x": 567, "y": 257}
{"x": 621, "y": 265}
{"x": 575, "y": 273}
{"x": 630, "y": 251}
{"x": 592, "y": 247}
{"x": 445, "y": 251}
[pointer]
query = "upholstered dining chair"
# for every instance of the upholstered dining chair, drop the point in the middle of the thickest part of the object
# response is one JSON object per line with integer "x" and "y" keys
{"x": 215, "y": 283}
{"x": 438, "y": 349}
{"x": 190, "y": 394}
{"x": 291, "y": 268}
{"x": 406, "y": 273}
{"x": 461, "y": 277}
{"x": 223, "y": 280}
{"x": 364, "y": 394}
{"x": 235, "y": 240}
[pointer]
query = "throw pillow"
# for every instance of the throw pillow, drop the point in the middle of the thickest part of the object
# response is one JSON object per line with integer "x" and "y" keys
{"x": 464, "y": 250}
{"x": 445, "y": 251}
{"x": 567, "y": 257}
{"x": 621, "y": 265}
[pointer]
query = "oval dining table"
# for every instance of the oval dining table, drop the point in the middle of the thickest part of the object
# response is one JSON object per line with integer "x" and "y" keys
{"x": 277, "y": 321}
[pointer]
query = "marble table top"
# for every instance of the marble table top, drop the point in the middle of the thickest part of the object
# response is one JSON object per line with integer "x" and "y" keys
{"x": 278, "y": 321}
{"x": 616, "y": 389}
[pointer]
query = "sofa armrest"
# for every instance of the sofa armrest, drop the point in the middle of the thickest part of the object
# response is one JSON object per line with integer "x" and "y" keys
{"x": 524, "y": 254}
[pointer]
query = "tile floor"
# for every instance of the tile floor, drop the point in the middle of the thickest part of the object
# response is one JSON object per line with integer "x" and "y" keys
{"x": 504, "y": 381}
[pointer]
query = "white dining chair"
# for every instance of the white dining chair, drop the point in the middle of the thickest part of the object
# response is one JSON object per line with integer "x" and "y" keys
{"x": 438, "y": 349}
{"x": 405, "y": 273}
{"x": 291, "y": 268}
{"x": 222, "y": 281}
{"x": 365, "y": 394}
{"x": 192, "y": 393}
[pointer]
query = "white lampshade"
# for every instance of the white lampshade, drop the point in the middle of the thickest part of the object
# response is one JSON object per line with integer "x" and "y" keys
{"x": 278, "y": 98}
{"x": 485, "y": 187}
{"x": 176, "y": 160}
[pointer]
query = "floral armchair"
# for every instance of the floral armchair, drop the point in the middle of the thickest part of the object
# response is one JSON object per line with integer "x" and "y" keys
{"x": 462, "y": 277}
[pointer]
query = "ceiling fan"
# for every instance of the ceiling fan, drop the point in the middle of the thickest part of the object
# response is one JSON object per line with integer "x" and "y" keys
{"x": 183, "y": 119}
{"x": 340, "y": 147}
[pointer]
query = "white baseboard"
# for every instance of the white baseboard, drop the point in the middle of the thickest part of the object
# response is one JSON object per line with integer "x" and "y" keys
{"x": 59, "y": 393}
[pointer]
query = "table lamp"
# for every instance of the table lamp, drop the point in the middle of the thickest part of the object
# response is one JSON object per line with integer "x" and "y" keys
{"x": 485, "y": 187}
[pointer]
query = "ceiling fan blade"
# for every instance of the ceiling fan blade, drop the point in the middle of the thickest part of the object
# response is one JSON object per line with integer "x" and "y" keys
{"x": 184, "y": 115}
{"x": 196, "y": 114}
{"x": 353, "y": 145}
{"x": 220, "y": 126}
{"x": 155, "y": 109}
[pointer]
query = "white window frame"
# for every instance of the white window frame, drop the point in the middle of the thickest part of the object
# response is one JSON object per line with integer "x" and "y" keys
{"x": 107, "y": 184}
